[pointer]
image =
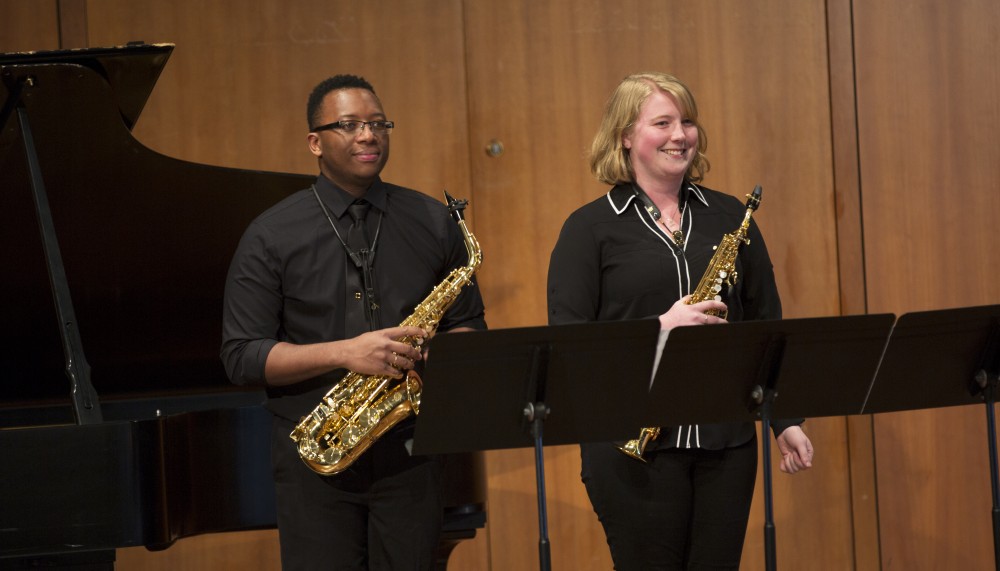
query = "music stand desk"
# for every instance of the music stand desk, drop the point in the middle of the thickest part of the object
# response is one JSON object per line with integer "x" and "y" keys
{"x": 488, "y": 390}
{"x": 764, "y": 370}
{"x": 944, "y": 358}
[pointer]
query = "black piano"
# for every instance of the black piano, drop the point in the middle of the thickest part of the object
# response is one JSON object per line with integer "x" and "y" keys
{"x": 118, "y": 427}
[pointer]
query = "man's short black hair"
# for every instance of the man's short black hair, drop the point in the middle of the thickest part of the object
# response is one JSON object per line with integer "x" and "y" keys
{"x": 342, "y": 81}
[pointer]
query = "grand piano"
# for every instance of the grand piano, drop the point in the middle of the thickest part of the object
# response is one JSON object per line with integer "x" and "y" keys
{"x": 118, "y": 427}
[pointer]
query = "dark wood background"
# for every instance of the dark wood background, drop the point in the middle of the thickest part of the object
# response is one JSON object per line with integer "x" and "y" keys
{"x": 871, "y": 126}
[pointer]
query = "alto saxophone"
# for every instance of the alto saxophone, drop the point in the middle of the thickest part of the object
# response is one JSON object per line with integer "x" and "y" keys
{"x": 361, "y": 408}
{"x": 721, "y": 271}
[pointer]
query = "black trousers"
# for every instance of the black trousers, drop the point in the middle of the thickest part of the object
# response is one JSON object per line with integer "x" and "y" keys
{"x": 384, "y": 512}
{"x": 683, "y": 509}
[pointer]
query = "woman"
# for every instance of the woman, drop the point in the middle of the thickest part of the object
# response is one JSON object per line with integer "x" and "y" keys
{"x": 637, "y": 252}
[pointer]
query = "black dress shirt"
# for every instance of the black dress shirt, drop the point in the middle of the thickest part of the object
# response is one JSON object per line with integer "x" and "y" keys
{"x": 612, "y": 261}
{"x": 287, "y": 279}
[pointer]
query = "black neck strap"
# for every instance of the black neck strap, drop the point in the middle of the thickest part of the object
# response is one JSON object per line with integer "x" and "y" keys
{"x": 647, "y": 202}
{"x": 364, "y": 259}
{"x": 654, "y": 211}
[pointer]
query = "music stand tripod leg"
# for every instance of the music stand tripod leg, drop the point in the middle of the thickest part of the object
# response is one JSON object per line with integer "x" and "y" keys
{"x": 770, "y": 549}
{"x": 536, "y": 413}
{"x": 988, "y": 386}
{"x": 763, "y": 395}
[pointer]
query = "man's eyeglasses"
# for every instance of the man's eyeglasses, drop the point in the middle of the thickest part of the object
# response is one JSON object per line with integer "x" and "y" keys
{"x": 355, "y": 127}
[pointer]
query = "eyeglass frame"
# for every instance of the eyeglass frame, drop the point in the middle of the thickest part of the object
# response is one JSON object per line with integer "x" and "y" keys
{"x": 339, "y": 125}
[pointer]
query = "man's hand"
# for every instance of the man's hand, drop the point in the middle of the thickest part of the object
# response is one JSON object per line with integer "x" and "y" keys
{"x": 379, "y": 352}
{"x": 374, "y": 353}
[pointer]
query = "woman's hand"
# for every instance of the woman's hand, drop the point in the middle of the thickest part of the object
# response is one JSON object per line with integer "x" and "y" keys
{"x": 680, "y": 313}
{"x": 796, "y": 450}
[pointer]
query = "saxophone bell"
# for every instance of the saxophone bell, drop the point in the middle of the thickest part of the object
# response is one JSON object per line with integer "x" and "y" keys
{"x": 636, "y": 448}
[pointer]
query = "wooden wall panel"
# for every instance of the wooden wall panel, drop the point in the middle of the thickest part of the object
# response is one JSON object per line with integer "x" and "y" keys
{"x": 928, "y": 121}
{"x": 28, "y": 26}
{"x": 234, "y": 91}
{"x": 539, "y": 74}
{"x": 760, "y": 77}
{"x": 850, "y": 258}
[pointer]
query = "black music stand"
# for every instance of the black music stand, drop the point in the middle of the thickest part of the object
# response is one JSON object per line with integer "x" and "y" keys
{"x": 945, "y": 358}
{"x": 821, "y": 367}
{"x": 489, "y": 390}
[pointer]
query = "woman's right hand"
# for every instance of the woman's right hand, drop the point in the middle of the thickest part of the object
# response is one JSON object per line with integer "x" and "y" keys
{"x": 680, "y": 313}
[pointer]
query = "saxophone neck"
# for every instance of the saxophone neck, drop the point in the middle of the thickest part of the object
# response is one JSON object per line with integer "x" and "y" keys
{"x": 746, "y": 222}
{"x": 471, "y": 247}
{"x": 753, "y": 201}
{"x": 457, "y": 209}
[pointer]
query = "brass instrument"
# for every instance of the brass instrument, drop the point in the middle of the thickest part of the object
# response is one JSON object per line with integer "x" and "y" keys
{"x": 721, "y": 271}
{"x": 361, "y": 408}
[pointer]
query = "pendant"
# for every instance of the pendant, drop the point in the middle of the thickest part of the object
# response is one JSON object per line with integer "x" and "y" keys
{"x": 678, "y": 237}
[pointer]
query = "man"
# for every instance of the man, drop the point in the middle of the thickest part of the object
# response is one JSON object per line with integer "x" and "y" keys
{"x": 306, "y": 302}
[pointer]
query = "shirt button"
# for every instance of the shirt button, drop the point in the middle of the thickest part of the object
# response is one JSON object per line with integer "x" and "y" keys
{"x": 357, "y": 295}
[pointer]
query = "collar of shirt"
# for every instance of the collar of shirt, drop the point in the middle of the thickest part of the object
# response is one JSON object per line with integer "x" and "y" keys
{"x": 622, "y": 195}
{"x": 338, "y": 199}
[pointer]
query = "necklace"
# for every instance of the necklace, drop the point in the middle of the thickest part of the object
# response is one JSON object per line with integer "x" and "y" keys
{"x": 678, "y": 234}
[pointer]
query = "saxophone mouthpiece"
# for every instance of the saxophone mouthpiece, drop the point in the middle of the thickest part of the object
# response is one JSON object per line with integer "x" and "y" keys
{"x": 753, "y": 199}
{"x": 455, "y": 206}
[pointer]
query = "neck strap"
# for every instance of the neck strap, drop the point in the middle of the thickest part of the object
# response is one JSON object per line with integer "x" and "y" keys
{"x": 364, "y": 259}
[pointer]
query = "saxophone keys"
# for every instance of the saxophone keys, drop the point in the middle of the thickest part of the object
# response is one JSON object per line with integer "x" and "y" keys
{"x": 351, "y": 436}
{"x": 368, "y": 418}
{"x": 308, "y": 448}
{"x": 331, "y": 456}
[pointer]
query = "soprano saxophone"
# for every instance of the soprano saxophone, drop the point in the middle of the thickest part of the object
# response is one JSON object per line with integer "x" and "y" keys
{"x": 361, "y": 408}
{"x": 721, "y": 272}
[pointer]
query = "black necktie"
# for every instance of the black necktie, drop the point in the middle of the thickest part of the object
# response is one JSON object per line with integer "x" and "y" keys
{"x": 361, "y": 308}
{"x": 357, "y": 314}
{"x": 357, "y": 235}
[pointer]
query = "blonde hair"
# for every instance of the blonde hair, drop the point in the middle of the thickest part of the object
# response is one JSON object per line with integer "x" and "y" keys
{"x": 609, "y": 160}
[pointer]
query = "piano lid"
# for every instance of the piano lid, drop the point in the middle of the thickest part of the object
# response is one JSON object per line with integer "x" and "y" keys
{"x": 130, "y": 70}
{"x": 146, "y": 239}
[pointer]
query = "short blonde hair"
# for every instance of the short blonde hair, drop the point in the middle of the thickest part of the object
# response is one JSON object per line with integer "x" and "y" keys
{"x": 609, "y": 160}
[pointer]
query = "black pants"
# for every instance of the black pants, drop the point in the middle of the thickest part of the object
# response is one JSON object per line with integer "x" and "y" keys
{"x": 384, "y": 512}
{"x": 684, "y": 509}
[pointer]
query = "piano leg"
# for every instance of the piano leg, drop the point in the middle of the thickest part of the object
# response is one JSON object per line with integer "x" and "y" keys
{"x": 464, "y": 485}
{"x": 449, "y": 540}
